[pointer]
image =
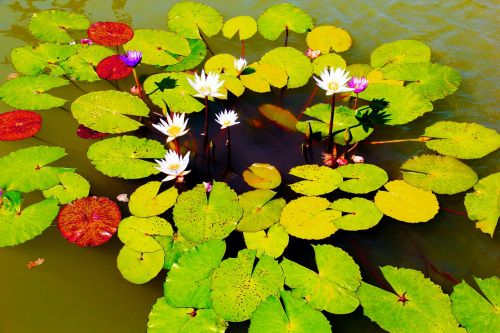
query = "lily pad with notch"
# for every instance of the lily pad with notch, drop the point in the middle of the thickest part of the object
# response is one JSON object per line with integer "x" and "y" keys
{"x": 362, "y": 178}
{"x": 174, "y": 247}
{"x": 260, "y": 211}
{"x": 262, "y": 175}
{"x": 328, "y": 60}
{"x": 146, "y": 201}
{"x": 318, "y": 179}
{"x": 53, "y": 25}
{"x": 80, "y": 66}
{"x": 193, "y": 59}
{"x": 259, "y": 77}
{"x": 329, "y": 38}
{"x": 272, "y": 243}
{"x": 139, "y": 267}
{"x": 245, "y": 26}
{"x": 42, "y": 59}
{"x": 293, "y": 62}
{"x": 138, "y": 233}
{"x": 190, "y": 19}
{"x": 73, "y": 186}
{"x": 401, "y": 51}
{"x": 281, "y": 17}
{"x": 360, "y": 214}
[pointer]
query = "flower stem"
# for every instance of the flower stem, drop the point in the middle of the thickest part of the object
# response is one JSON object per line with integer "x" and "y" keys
{"x": 243, "y": 48}
{"x": 330, "y": 127}
{"x": 309, "y": 101}
{"x": 356, "y": 102}
{"x": 177, "y": 146}
{"x": 228, "y": 147}
{"x": 421, "y": 139}
{"x": 137, "y": 83}
{"x": 205, "y": 135}
{"x": 206, "y": 44}
{"x": 286, "y": 36}
{"x": 74, "y": 83}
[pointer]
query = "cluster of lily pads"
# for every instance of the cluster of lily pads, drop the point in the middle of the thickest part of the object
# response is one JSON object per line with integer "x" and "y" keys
{"x": 204, "y": 288}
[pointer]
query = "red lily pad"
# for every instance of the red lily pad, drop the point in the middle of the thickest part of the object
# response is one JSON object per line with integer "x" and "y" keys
{"x": 113, "y": 68}
{"x": 110, "y": 33}
{"x": 86, "y": 133}
{"x": 89, "y": 221}
{"x": 19, "y": 124}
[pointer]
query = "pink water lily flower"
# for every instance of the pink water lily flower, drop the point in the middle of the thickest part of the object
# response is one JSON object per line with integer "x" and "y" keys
{"x": 358, "y": 84}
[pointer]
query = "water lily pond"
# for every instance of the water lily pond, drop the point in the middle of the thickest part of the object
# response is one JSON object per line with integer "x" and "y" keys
{"x": 172, "y": 166}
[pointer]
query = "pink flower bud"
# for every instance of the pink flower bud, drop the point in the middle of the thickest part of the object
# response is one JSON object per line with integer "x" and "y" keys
{"x": 341, "y": 161}
{"x": 357, "y": 159}
{"x": 312, "y": 54}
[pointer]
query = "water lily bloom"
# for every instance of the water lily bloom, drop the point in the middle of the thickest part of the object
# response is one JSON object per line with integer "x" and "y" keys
{"x": 208, "y": 186}
{"x": 174, "y": 165}
{"x": 86, "y": 41}
{"x": 207, "y": 85}
{"x": 226, "y": 118}
{"x": 333, "y": 80}
{"x": 357, "y": 159}
{"x": 131, "y": 58}
{"x": 342, "y": 161}
{"x": 312, "y": 54}
{"x": 173, "y": 127}
{"x": 240, "y": 64}
{"x": 122, "y": 197}
{"x": 358, "y": 84}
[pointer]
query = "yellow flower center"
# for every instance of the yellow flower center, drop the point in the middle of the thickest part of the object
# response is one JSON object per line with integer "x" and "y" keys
{"x": 174, "y": 130}
{"x": 174, "y": 166}
{"x": 333, "y": 86}
{"x": 227, "y": 123}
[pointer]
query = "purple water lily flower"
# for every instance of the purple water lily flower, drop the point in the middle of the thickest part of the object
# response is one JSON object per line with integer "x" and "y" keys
{"x": 86, "y": 41}
{"x": 132, "y": 58}
{"x": 358, "y": 84}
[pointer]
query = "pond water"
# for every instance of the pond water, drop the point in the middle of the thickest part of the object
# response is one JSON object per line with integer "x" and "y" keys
{"x": 80, "y": 289}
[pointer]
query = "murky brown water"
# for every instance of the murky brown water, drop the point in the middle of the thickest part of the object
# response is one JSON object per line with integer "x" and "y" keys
{"x": 80, "y": 290}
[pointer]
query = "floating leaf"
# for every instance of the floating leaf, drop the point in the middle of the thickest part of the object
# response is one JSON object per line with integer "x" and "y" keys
{"x": 110, "y": 33}
{"x": 232, "y": 84}
{"x": 439, "y": 174}
{"x": 22, "y": 226}
{"x": 137, "y": 232}
{"x": 188, "y": 282}
{"x": 478, "y": 314}
{"x": 293, "y": 62}
{"x": 462, "y": 140}
{"x": 201, "y": 218}
{"x": 483, "y": 205}
{"x": 80, "y": 66}
{"x": 86, "y": 133}
{"x": 418, "y": 304}
{"x": 376, "y": 76}
{"x": 262, "y": 175}
{"x": 165, "y": 318}
{"x": 319, "y": 179}
{"x": 328, "y": 60}
{"x": 309, "y": 218}
{"x": 363, "y": 178}
{"x": 281, "y": 117}
{"x": 174, "y": 247}
{"x": 145, "y": 201}
{"x": 259, "y": 211}
{"x": 297, "y": 315}
{"x": 197, "y": 55}
{"x": 123, "y": 156}
{"x": 329, "y": 38}
{"x": 188, "y": 19}
{"x": 271, "y": 243}
{"x": 28, "y": 92}
{"x": 244, "y": 25}
{"x": 72, "y": 187}
{"x": 401, "y": 51}
{"x": 239, "y": 285}
{"x": 42, "y": 59}
{"x": 264, "y": 76}
{"x": 221, "y": 63}
{"x": 19, "y": 125}
{"x": 334, "y": 287}
{"x": 139, "y": 267}
{"x": 406, "y": 203}
{"x": 361, "y": 214}
{"x": 359, "y": 69}
{"x": 10, "y": 201}
{"x": 280, "y": 17}
{"x": 113, "y": 68}
{"x": 26, "y": 169}
{"x": 53, "y": 25}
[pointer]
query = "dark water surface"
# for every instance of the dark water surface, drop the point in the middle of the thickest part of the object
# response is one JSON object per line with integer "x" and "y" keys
{"x": 81, "y": 291}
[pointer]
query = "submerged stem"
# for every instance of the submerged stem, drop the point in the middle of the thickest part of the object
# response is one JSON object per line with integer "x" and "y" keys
{"x": 228, "y": 148}
{"x": 356, "y": 102}
{"x": 286, "y": 36}
{"x": 74, "y": 84}
{"x": 330, "y": 127}
{"x": 206, "y": 44}
{"x": 205, "y": 133}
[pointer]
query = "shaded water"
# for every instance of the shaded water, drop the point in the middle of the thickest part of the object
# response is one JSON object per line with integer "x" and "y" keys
{"x": 80, "y": 290}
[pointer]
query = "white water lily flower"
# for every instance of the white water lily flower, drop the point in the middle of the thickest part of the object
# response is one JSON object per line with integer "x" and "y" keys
{"x": 240, "y": 64}
{"x": 174, "y": 127}
{"x": 207, "y": 85}
{"x": 226, "y": 118}
{"x": 174, "y": 165}
{"x": 334, "y": 80}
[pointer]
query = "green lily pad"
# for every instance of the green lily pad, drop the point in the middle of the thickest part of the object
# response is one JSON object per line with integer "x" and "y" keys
{"x": 239, "y": 285}
{"x": 80, "y": 66}
{"x": 361, "y": 214}
{"x": 283, "y": 16}
{"x": 265, "y": 76}
{"x": 439, "y": 174}
{"x": 174, "y": 247}
{"x": 405, "y": 105}
{"x": 22, "y": 226}
{"x": 293, "y": 62}
{"x": 221, "y": 63}
{"x": 329, "y": 38}
{"x": 401, "y": 51}
{"x": 406, "y": 203}
{"x": 309, "y": 218}
{"x": 363, "y": 178}
{"x": 26, "y": 169}
{"x": 188, "y": 282}
{"x": 418, "y": 304}
{"x": 262, "y": 175}
{"x": 10, "y": 202}
{"x": 72, "y": 187}
{"x": 319, "y": 179}
{"x": 42, "y": 59}
{"x": 483, "y": 205}
{"x": 333, "y": 288}
{"x": 281, "y": 117}
{"x": 179, "y": 98}
{"x": 245, "y": 26}
{"x": 478, "y": 314}
{"x": 123, "y": 156}
{"x": 196, "y": 57}
{"x": 105, "y": 111}
{"x": 145, "y": 201}
{"x": 462, "y": 140}
{"x": 139, "y": 267}
{"x": 158, "y": 47}
{"x": 259, "y": 210}
{"x": 137, "y": 232}
{"x": 359, "y": 69}
{"x": 328, "y": 60}
{"x": 200, "y": 217}
{"x": 188, "y": 19}
{"x": 165, "y": 318}
{"x": 297, "y": 317}
{"x": 433, "y": 81}
{"x": 53, "y": 25}
{"x": 233, "y": 85}
{"x": 271, "y": 243}
{"x": 28, "y": 92}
